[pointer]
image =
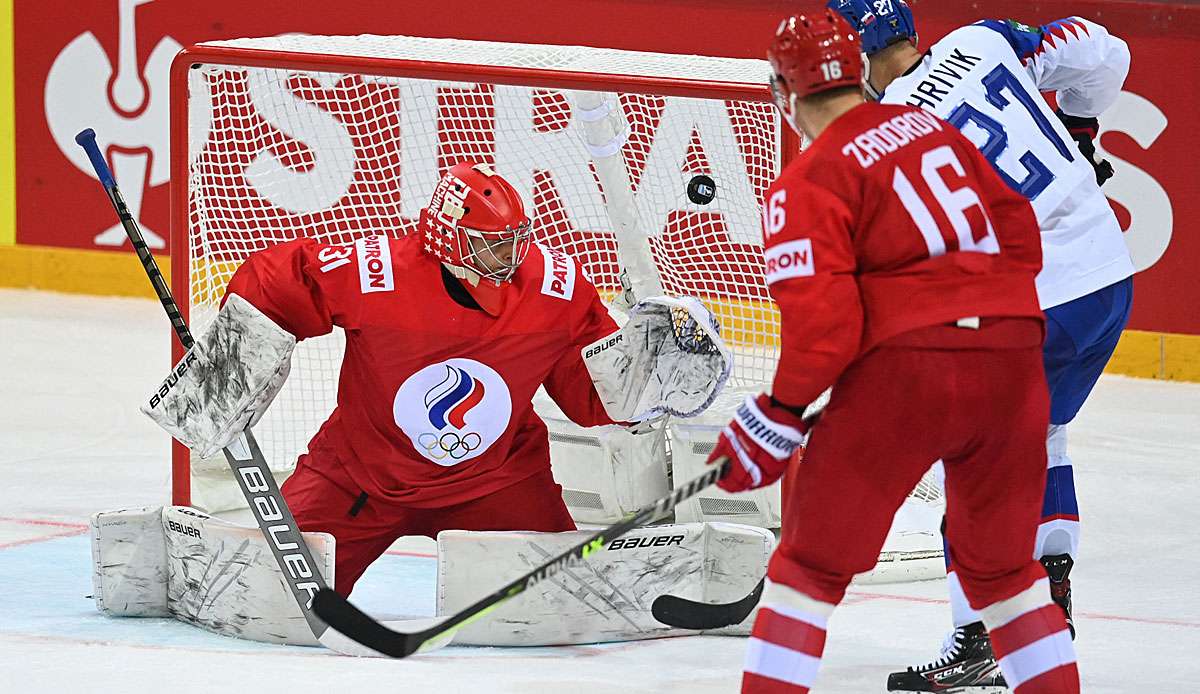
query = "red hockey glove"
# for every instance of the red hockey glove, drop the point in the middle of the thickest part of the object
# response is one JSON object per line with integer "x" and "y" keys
{"x": 759, "y": 442}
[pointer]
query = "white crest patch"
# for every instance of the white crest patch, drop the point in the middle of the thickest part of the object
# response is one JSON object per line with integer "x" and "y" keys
{"x": 374, "y": 264}
{"x": 454, "y": 410}
{"x": 559, "y": 278}
{"x": 788, "y": 260}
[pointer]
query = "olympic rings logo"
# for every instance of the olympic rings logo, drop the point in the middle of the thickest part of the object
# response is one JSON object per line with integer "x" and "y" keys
{"x": 453, "y": 411}
{"x": 449, "y": 444}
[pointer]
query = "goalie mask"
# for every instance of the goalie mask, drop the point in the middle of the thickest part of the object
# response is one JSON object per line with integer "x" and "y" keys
{"x": 810, "y": 55}
{"x": 477, "y": 222}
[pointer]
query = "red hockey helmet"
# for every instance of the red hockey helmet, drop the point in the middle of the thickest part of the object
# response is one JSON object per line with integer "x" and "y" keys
{"x": 813, "y": 54}
{"x": 476, "y": 220}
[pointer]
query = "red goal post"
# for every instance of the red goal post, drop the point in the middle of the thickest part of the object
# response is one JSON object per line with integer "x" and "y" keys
{"x": 338, "y": 137}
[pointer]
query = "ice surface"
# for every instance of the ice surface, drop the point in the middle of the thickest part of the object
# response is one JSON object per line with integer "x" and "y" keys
{"x": 72, "y": 443}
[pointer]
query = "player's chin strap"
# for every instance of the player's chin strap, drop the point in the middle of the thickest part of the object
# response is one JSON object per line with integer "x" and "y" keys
{"x": 869, "y": 88}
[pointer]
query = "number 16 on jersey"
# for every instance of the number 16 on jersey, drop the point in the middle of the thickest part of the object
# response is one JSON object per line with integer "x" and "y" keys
{"x": 970, "y": 227}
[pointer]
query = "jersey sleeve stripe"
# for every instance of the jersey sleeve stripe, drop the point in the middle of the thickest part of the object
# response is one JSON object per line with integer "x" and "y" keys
{"x": 1064, "y": 31}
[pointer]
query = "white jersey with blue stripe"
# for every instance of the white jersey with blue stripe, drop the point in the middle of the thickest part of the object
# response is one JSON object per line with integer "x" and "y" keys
{"x": 987, "y": 80}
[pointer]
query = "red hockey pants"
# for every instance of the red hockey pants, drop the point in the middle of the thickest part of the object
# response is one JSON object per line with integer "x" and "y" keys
{"x": 897, "y": 409}
{"x": 324, "y": 498}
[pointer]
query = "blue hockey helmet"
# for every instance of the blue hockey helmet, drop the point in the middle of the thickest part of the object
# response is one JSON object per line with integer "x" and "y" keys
{"x": 880, "y": 23}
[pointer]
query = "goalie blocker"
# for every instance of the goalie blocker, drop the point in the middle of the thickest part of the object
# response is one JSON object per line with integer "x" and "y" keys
{"x": 226, "y": 381}
{"x": 179, "y": 562}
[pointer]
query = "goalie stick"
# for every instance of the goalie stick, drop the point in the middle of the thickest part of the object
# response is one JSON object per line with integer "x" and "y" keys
{"x": 245, "y": 459}
{"x": 362, "y": 628}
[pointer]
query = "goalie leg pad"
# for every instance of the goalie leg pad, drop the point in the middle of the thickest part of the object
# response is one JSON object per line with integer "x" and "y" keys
{"x": 607, "y": 471}
{"x": 129, "y": 563}
{"x": 606, "y": 598}
{"x": 223, "y": 577}
{"x": 226, "y": 381}
{"x": 179, "y": 562}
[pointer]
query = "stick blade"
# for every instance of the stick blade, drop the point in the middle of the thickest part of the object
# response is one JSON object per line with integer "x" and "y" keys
{"x": 354, "y": 624}
{"x": 682, "y": 613}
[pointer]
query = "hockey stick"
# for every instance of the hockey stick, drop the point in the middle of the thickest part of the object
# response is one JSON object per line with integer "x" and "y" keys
{"x": 689, "y": 614}
{"x": 357, "y": 625}
{"x": 244, "y": 456}
{"x": 682, "y": 613}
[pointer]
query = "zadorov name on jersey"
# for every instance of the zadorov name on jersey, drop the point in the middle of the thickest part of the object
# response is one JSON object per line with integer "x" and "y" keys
{"x": 183, "y": 529}
{"x": 636, "y": 542}
{"x": 168, "y": 384}
{"x": 890, "y": 135}
{"x": 610, "y": 342}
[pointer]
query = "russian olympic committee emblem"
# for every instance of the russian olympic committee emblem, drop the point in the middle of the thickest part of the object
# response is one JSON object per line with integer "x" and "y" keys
{"x": 454, "y": 410}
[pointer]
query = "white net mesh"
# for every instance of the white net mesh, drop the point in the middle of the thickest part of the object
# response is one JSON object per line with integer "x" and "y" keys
{"x": 277, "y": 153}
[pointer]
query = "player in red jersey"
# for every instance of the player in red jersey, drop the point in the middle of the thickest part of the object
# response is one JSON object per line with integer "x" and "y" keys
{"x": 449, "y": 333}
{"x": 904, "y": 269}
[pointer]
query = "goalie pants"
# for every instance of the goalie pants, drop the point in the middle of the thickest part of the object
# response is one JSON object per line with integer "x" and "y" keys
{"x": 984, "y": 410}
{"x": 323, "y": 498}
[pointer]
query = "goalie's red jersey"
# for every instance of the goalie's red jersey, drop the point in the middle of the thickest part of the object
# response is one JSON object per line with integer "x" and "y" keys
{"x": 891, "y": 221}
{"x": 434, "y": 404}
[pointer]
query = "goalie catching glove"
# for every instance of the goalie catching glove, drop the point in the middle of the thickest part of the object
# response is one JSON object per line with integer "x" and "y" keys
{"x": 668, "y": 358}
{"x": 226, "y": 381}
{"x": 759, "y": 442}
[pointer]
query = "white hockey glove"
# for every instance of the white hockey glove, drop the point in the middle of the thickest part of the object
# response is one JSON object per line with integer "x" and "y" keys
{"x": 668, "y": 358}
{"x": 226, "y": 381}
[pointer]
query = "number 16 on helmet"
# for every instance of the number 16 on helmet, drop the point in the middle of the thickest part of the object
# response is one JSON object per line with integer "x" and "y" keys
{"x": 812, "y": 54}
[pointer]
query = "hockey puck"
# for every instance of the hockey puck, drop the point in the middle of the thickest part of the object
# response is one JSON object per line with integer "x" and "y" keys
{"x": 701, "y": 189}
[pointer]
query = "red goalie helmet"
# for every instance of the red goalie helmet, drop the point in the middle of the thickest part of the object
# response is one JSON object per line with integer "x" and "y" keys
{"x": 813, "y": 54}
{"x": 476, "y": 220}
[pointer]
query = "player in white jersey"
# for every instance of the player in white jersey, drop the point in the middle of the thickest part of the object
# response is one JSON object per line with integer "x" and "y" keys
{"x": 987, "y": 79}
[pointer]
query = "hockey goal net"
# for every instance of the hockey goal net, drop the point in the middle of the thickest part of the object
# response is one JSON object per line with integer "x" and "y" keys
{"x": 337, "y": 138}
{"x": 651, "y": 162}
